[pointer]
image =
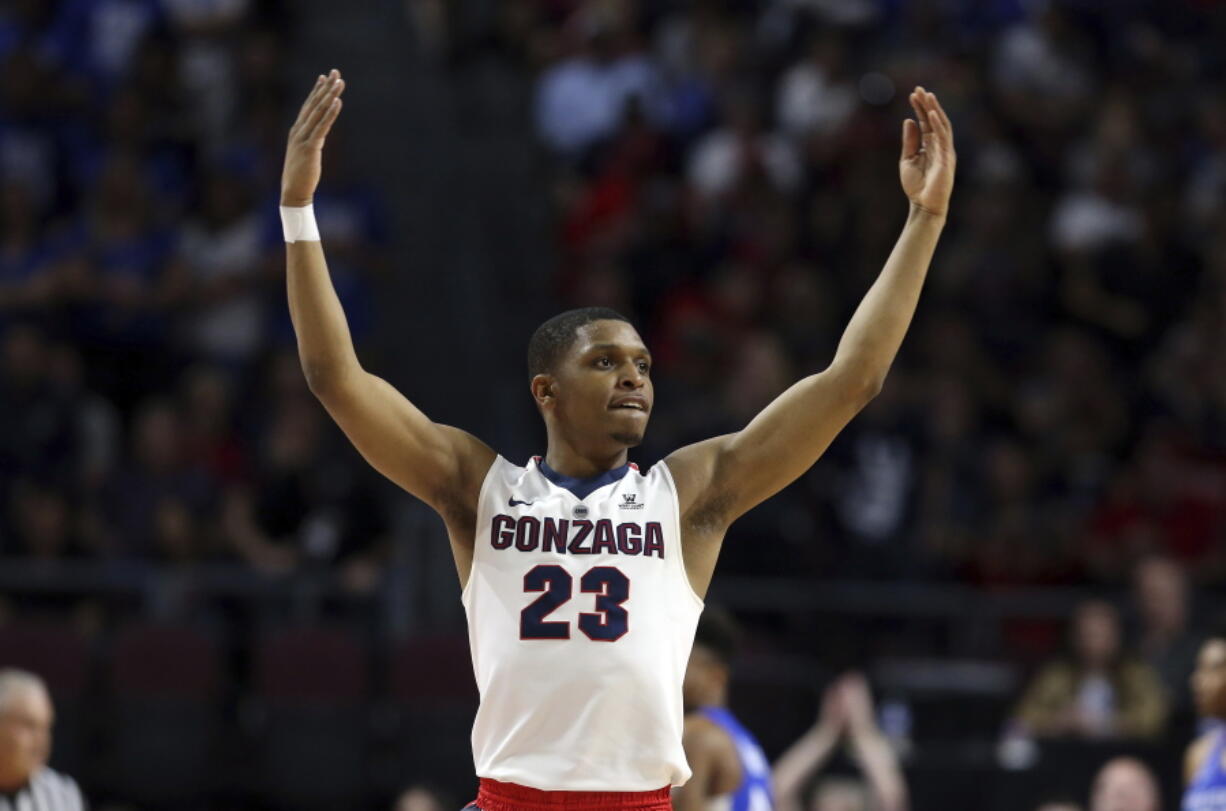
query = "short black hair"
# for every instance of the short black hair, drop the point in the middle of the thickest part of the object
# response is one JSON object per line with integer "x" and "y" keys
{"x": 719, "y": 633}
{"x": 555, "y": 337}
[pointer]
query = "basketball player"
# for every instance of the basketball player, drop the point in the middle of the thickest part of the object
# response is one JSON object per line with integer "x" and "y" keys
{"x": 1205, "y": 762}
{"x": 730, "y": 770}
{"x": 583, "y": 577}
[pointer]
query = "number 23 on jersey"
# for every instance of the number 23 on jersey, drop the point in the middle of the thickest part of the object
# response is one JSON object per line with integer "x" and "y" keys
{"x": 608, "y": 623}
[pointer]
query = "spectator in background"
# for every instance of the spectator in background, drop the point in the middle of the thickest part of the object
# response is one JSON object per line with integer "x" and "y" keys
{"x": 94, "y": 41}
{"x": 208, "y": 33}
{"x": 210, "y": 424}
{"x": 28, "y": 147}
{"x": 816, "y": 96}
{"x": 39, "y": 433}
{"x": 581, "y": 99}
{"x": 159, "y": 490}
{"x": 1097, "y": 691}
{"x": 299, "y": 513}
{"x": 221, "y": 248}
{"x": 42, "y": 523}
{"x": 742, "y": 152}
{"x": 26, "y": 716}
{"x": 97, "y": 447}
{"x": 1061, "y": 804}
{"x": 1168, "y": 499}
{"x": 1166, "y": 640}
{"x": 847, "y": 712}
{"x": 1042, "y": 63}
{"x": 1125, "y": 784}
{"x": 124, "y": 284}
{"x": 423, "y": 797}
{"x": 28, "y": 268}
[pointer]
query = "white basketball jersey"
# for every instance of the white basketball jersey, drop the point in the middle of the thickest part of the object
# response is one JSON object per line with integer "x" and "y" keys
{"x": 580, "y": 619}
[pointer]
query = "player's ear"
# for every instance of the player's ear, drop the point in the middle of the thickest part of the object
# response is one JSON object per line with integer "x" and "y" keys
{"x": 543, "y": 389}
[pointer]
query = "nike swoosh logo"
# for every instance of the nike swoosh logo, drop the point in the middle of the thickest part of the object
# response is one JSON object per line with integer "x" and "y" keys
{"x": 515, "y": 503}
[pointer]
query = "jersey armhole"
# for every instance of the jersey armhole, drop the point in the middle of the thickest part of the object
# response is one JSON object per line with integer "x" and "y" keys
{"x": 466, "y": 592}
{"x": 680, "y": 556}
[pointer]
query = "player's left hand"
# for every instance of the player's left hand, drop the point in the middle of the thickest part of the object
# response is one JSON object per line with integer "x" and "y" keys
{"x": 926, "y": 167}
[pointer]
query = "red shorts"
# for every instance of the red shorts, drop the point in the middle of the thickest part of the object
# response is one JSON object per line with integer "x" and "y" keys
{"x": 494, "y": 795}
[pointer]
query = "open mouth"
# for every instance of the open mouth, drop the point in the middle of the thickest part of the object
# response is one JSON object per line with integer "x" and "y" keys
{"x": 629, "y": 406}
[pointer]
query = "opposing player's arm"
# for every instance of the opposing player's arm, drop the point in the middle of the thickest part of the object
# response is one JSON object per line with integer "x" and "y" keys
{"x": 720, "y": 479}
{"x": 710, "y": 753}
{"x": 1195, "y": 756}
{"x": 434, "y": 462}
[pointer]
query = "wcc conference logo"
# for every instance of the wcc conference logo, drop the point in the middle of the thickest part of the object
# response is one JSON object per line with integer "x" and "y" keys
{"x": 630, "y": 502}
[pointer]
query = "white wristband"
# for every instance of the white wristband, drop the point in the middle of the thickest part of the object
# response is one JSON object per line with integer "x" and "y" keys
{"x": 298, "y": 224}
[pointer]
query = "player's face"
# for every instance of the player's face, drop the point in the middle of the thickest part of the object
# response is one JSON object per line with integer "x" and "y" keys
{"x": 25, "y": 733}
{"x": 1209, "y": 679}
{"x": 702, "y": 678}
{"x": 603, "y": 388}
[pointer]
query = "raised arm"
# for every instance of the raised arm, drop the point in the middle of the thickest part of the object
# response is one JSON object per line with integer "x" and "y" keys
{"x": 441, "y": 465}
{"x": 795, "y": 767}
{"x": 715, "y": 766}
{"x": 720, "y": 479}
{"x": 871, "y": 748}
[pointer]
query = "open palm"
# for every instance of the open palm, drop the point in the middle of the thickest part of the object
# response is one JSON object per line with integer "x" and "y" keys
{"x": 303, "y": 153}
{"x": 926, "y": 167}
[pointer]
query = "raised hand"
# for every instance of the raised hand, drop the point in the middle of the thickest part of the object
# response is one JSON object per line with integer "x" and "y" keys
{"x": 303, "y": 160}
{"x": 857, "y": 703}
{"x": 833, "y": 717}
{"x": 926, "y": 167}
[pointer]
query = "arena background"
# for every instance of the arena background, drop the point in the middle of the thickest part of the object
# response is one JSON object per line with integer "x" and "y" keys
{"x": 234, "y": 612}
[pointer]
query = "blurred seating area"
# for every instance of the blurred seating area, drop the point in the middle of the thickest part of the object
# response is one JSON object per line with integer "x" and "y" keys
{"x": 154, "y": 408}
{"x": 233, "y": 611}
{"x": 168, "y": 716}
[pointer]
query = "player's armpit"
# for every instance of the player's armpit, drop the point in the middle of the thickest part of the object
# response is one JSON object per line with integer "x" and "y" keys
{"x": 439, "y": 464}
{"x": 693, "y": 470}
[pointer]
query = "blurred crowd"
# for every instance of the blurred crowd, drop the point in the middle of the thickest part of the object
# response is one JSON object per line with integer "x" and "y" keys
{"x": 725, "y": 173}
{"x": 153, "y": 406}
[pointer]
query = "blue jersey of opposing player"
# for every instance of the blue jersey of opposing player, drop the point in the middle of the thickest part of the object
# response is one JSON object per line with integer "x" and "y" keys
{"x": 1207, "y": 789}
{"x": 1205, "y": 773}
{"x": 754, "y": 793}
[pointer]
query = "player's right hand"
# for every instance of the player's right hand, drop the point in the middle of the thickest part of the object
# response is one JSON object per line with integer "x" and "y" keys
{"x": 303, "y": 160}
